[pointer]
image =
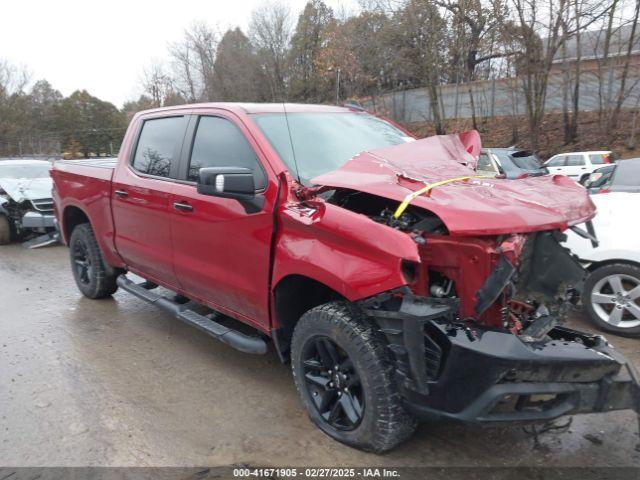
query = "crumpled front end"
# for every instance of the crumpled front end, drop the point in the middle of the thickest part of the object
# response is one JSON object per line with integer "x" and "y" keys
{"x": 477, "y": 329}
{"x": 449, "y": 368}
{"x": 478, "y": 333}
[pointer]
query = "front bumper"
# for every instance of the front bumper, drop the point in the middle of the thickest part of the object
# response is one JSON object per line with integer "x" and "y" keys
{"x": 37, "y": 220}
{"x": 459, "y": 371}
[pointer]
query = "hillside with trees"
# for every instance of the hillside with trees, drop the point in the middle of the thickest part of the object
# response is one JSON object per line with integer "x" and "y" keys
{"x": 324, "y": 56}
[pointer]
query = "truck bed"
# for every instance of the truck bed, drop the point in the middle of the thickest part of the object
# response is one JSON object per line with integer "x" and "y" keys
{"x": 86, "y": 185}
{"x": 98, "y": 167}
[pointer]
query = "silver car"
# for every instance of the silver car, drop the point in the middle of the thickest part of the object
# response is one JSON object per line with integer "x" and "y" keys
{"x": 26, "y": 206}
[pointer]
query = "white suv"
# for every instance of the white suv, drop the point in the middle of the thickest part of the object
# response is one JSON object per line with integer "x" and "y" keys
{"x": 578, "y": 165}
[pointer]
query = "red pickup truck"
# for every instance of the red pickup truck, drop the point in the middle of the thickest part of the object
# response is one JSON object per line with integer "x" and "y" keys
{"x": 399, "y": 284}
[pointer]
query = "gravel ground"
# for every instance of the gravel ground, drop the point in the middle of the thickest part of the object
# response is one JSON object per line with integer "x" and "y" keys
{"x": 118, "y": 383}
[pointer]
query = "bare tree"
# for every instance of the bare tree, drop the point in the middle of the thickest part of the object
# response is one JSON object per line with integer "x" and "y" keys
{"x": 270, "y": 31}
{"x": 542, "y": 29}
{"x": 622, "y": 92}
{"x": 159, "y": 86}
{"x": 193, "y": 61}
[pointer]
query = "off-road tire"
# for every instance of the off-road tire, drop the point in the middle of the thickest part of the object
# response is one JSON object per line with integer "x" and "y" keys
{"x": 589, "y": 285}
{"x": 384, "y": 422}
{"x": 99, "y": 282}
{"x": 5, "y": 230}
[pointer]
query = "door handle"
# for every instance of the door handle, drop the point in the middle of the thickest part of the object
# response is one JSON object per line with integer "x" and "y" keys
{"x": 183, "y": 207}
{"x": 121, "y": 193}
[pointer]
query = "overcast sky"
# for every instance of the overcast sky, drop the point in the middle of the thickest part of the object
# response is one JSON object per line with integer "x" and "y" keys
{"x": 103, "y": 46}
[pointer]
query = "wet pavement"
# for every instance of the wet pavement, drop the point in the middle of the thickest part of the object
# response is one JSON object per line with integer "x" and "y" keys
{"x": 117, "y": 382}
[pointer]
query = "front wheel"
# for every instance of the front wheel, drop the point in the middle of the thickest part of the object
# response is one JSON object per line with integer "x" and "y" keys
{"x": 343, "y": 370}
{"x": 611, "y": 298}
{"x": 88, "y": 267}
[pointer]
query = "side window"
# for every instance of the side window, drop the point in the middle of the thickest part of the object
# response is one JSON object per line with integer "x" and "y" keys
{"x": 219, "y": 143}
{"x": 158, "y": 144}
{"x": 484, "y": 163}
{"x": 556, "y": 161}
{"x": 575, "y": 160}
{"x": 597, "y": 158}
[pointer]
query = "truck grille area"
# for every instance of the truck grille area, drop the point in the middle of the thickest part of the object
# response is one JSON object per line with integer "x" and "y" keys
{"x": 432, "y": 358}
{"x": 44, "y": 205}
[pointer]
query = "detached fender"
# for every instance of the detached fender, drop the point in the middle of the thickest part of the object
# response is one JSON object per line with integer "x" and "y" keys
{"x": 346, "y": 251}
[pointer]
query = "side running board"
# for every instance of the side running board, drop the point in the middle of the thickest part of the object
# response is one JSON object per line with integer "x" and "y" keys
{"x": 233, "y": 338}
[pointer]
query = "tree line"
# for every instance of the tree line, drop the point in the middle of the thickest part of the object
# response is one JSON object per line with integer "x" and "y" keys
{"x": 38, "y": 119}
{"x": 326, "y": 56}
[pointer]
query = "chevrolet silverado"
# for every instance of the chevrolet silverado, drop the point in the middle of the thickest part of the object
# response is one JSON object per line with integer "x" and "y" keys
{"x": 398, "y": 283}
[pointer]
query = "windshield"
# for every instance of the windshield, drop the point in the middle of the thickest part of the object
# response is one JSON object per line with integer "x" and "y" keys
{"x": 323, "y": 142}
{"x": 516, "y": 160}
{"x": 31, "y": 170}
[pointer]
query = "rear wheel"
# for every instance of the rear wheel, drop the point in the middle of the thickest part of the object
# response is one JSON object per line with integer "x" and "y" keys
{"x": 343, "y": 371}
{"x": 87, "y": 265}
{"x": 612, "y": 298}
{"x": 5, "y": 230}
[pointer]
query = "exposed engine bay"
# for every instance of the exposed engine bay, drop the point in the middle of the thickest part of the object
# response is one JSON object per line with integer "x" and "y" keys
{"x": 522, "y": 283}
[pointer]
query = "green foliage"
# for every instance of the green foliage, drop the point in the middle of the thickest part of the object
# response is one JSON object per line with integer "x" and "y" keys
{"x": 41, "y": 121}
{"x": 310, "y": 38}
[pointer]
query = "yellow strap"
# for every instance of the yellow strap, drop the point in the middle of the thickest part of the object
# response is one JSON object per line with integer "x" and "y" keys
{"x": 409, "y": 198}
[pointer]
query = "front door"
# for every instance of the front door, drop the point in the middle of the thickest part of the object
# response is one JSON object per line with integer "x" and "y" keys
{"x": 141, "y": 199}
{"x": 221, "y": 252}
{"x": 556, "y": 165}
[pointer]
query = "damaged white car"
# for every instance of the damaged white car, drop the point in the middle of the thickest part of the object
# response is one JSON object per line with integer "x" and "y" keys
{"x": 26, "y": 206}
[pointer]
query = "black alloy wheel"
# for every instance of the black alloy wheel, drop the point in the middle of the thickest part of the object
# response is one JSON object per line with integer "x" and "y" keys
{"x": 92, "y": 275}
{"x": 333, "y": 383}
{"x": 345, "y": 374}
{"x": 82, "y": 262}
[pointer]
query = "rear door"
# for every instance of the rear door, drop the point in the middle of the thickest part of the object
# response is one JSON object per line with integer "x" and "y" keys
{"x": 142, "y": 191}
{"x": 575, "y": 166}
{"x": 222, "y": 252}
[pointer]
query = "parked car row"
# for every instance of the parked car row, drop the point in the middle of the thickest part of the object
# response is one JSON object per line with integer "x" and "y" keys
{"x": 623, "y": 176}
{"x": 578, "y": 165}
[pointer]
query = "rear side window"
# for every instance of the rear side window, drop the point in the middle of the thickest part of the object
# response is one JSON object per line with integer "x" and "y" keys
{"x": 159, "y": 145}
{"x": 598, "y": 158}
{"x": 575, "y": 160}
{"x": 556, "y": 162}
{"x": 219, "y": 143}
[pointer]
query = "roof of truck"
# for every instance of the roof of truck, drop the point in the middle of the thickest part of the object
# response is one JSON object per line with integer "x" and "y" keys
{"x": 260, "y": 107}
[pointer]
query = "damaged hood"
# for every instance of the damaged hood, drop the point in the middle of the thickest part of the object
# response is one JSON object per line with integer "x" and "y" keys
{"x": 20, "y": 189}
{"x": 480, "y": 206}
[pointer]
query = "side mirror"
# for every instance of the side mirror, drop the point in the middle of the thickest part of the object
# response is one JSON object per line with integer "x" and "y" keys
{"x": 231, "y": 182}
